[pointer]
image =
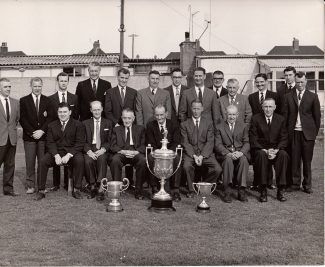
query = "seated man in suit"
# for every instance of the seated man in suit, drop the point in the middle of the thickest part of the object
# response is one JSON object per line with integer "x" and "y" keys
{"x": 197, "y": 135}
{"x": 232, "y": 148}
{"x": 98, "y": 138}
{"x": 65, "y": 141}
{"x": 217, "y": 81}
{"x": 128, "y": 147}
{"x": 268, "y": 139}
{"x": 155, "y": 132}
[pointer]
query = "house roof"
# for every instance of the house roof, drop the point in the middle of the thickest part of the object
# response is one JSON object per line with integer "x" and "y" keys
{"x": 298, "y": 63}
{"x": 303, "y": 50}
{"x": 177, "y": 55}
{"x": 12, "y": 54}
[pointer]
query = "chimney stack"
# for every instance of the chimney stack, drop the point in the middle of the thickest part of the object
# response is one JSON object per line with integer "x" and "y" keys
{"x": 295, "y": 44}
{"x": 96, "y": 47}
{"x": 187, "y": 36}
{"x": 4, "y": 48}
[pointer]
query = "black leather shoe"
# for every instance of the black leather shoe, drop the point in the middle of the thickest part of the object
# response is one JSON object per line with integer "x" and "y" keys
{"x": 242, "y": 195}
{"x": 263, "y": 197}
{"x": 227, "y": 198}
{"x": 100, "y": 196}
{"x": 272, "y": 187}
{"x": 176, "y": 197}
{"x": 138, "y": 195}
{"x": 308, "y": 190}
{"x": 190, "y": 194}
{"x": 280, "y": 196}
{"x": 39, "y": 196}
{"x": 10, "y": 193}
{"x": 253, "y": 188}
{"x": 92, "y": 194}
{"x": 77, "y": 194}
{"x": 86, "y": 189}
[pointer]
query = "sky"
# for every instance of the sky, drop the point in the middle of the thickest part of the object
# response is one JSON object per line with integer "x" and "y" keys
{"x": 62, "y": 27}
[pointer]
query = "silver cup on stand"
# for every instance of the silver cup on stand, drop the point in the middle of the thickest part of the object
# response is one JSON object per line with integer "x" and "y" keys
{"x": 113, "y": 190}
{"x": 204, "y": 190}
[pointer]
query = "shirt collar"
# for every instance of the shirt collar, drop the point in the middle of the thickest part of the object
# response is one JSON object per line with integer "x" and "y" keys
{"x": 194, "y": 120}
{"x": 95, "y": 120}
{"x": 3, "y": 98}
{"x": 269, "y": 118}
{"x": 164, "y": 125}
{"x": 292, "y": 85}
{"x": 66, "y": 122}
{"x": 302, "y": 92}
{"x": 264, "y": 92}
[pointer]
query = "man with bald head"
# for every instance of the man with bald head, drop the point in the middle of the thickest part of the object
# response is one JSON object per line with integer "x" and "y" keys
{"x": 232, "y": 149}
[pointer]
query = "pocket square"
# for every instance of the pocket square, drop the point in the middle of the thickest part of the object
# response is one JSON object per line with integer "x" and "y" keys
{"x": 45, "y": 114}
{"x": 106, "y": 129}
{"x": 72, "y": 105}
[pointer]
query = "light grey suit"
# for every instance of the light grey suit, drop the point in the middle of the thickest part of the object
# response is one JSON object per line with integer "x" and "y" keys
{"x": 146, "y": 102}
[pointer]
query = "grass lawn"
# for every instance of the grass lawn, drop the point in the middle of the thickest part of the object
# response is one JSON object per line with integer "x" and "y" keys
{"x": 60, "y": 230}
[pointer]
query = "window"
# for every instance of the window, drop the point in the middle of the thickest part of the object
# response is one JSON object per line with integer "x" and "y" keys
{"x": 69, "y": 71}
{"x": 321, "y": 81}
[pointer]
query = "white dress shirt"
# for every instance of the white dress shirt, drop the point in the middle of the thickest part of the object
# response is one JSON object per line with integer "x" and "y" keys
{"x": 126, "y": 134}
{"x": 194, "y": 121}
{"x": 197, "y": 90}
{"x": 65, "y": 96}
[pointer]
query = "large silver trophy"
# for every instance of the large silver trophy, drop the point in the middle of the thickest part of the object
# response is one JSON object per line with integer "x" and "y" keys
{"x": 204, "y": 189}
{"x": 113, "y": 190}
{"x": 163, "y": 169}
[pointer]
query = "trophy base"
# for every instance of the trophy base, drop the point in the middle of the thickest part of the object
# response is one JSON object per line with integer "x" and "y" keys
{"x": 161, "y": 206}
{"x": 202, "y": 209}
{"x": 114, "y": 208}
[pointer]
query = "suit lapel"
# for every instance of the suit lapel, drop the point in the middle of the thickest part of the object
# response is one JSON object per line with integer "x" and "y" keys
{"x": 92, "y": 129}
{"x": 118, "y": 95}
{"x": 41, "y": 105}
{"x": 171, "y": 93}
{"x": 150, "y": 95}
{"x": 2, "y": 109}
{"x": 295, "y": 98}
{"x": 205, "y": 96}
{"x": 228, "y": 132}
{"x": 193, "y": 92}
{"x": 32, "y": 104}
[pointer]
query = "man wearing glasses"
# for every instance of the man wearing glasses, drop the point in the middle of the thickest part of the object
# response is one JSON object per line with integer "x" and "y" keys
{"x": 217, "y": 81}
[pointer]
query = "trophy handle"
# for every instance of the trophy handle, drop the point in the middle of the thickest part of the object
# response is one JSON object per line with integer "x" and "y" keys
{"x": 193, "y": 185}
{"x": 149, "y": 147}
{"x": 126, "y": 185}
{"x": 179, "y": 148}
{"x": 103, "y": 184}
{"x": 215, "y": 187}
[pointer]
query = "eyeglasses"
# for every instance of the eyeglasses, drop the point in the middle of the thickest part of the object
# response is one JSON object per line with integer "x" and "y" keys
{"x": 177, "y": 77}
{"x": 218, "y": 79}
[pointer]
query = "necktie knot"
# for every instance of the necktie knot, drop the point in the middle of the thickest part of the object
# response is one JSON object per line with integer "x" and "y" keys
{"x": 153, "y": 92}
{"x": 290, "y": 87}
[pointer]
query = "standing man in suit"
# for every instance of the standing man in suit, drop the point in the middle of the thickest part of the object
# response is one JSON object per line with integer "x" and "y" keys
{"x": 176, "y": 90}
{"x": 232, "y": 149}
{"x": 149, "y": 97}
{"x": 197, "y": 135}
{"x": 119, "y": 98}
{"x": 98, "y": 139}
{"x": 91, "y": 89}
{"x": 155, "y": 132}
{"x": 217, "y": 84}
{"x": 65, "y": 142}
{"x": 287, "y": 87}
{"x": 62, "y": 95}
{"x": 128, "y": 146}
{"x": 207, "y": 97}
{"x": 302, "y": 115}
{"x": 268, "y": 139}
{"x": 9, "y": 109}
{"x": 36, "y": 113}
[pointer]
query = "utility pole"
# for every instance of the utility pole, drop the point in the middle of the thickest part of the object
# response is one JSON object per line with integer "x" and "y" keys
{"x": 122, "y": 30}
{"x": 133, "y": 35}
{"x": 193, "y": 14}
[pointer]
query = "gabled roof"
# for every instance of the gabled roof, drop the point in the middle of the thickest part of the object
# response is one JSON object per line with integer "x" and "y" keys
{"x": 177, "y": 55}
{"x": 303, "y": 50}
{"x": 96, "y": 51}
{"x": 12, "y": 54}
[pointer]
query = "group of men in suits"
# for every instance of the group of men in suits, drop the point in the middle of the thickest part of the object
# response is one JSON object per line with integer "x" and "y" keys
{"x": 219, "y": 129}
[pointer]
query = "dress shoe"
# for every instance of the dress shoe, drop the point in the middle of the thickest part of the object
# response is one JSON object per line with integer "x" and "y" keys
{"x": 10, "y": 193}
{"x": 242, "y": 195}
{"x": 263, "y": 196}
{"x": 253, "y": 187}
{"x": 86, "y": 189}
{"x": 280, "y": 196}
{"x": 308, "y": 190}
{"x": 190, "y": 194}
{"x": 271, "y": 186}
{"x": 77, "y": 194}
{"x": 227, "y": 197}
{"x": 30, "y": 190}
{"x": 100, "y": 196}
{"x": 92, "y": 194}
{"x": 138, "y": 195}
{"x": 176, "y": 197}
{"x": 40, "y": 196}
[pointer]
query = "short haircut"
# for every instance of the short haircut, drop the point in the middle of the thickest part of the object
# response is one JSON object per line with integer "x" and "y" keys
{"x": 94, "y": 64}
{"x": 95, "y": 102}
{"x": 123, "y": 70}
{"x": 232, "y": 107}
{"x": 197, "y": 100}
{"x": 62, "y": 74}
{"x": 232, "y": 80}
{"x": 290, "y": 68}
{"x": 160, "y": 105}
{"x": 176, "y": 70}
{"x": 35, "y": 79}
{"x": 261, "y": 75}
{"x": 300, "y": 74}
{"x": 4, "y": 80}
{"x": 269, "y": 99}
{"x": 64, "y": 105}
{"x": 154, "y": 72}
{"x": 128, "y": 110}
{"x": 199, "y": 69}
{"x": 218, "y": 72}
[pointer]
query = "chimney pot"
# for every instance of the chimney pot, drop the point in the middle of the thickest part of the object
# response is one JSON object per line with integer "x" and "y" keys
{"x": 295, "y": 44}
{"x": 4, "y": 48}
{"x": 187, "y": 36}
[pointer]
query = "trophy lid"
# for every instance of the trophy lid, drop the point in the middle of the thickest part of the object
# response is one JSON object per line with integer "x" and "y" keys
{"x": 164, "y": 153}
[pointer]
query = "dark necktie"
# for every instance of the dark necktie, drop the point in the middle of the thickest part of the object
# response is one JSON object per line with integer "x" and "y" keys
{"x": 128, "y": 136}
{"x": 153, "y": 91}
{"x": 98, "y": 143}
{"x": 268, "y": 122}
{"x": 162, "y": 129}
{"x": 290, "y": 87}
{"x": 231, "y": 126}
{"x": 63, "y": 98}
{"x": 94, "y": 88}
{"x": 37, "y": 110}
{"x": 177, "y": 99}
{"x": 7, "y": 109}
{"x": 197, "y": 131}
{"x": 299, "y": 96}
{"x": 200, "y": 94}
{"x": 232, "y": 100}
{"x": 63, "y": 126}
{"x": 262, "y": 98}
{"x": 122, "y": 95}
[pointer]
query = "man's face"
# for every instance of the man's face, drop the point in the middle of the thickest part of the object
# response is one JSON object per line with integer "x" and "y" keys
{"x": 232, "y": 115}
{"x": 5, "y": 88}
{"x": 96, "y": 109}
{"x": 127, "y": 118}
{"x": 63, "y": 82}
{"x": 217, "y": 80}
{"x": 260, "y": 83}
{"x": 94, "y": 72}
{"x": 232, "y": 88}
{"x": 64, "y": 113}
{"x": 177, "y": 78}
{"x": 37, "y": 87}
{"x": 197, "y": 109}
{"x": 123, "y": 79}
{"x": 160, "y": 115}
{"x": 154, "y": 80}
{"x": 289, "y": 76}
{"x": 301, "y": 83}
{"x": 268, "y": 107}
{"x": 199, "y": 78}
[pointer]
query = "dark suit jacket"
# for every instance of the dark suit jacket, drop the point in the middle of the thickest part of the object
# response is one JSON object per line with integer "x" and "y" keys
{"x": 154, "y": 136}
{"x": 29, "y": 120}
{"x": 224, "y": 139}
{"x": 309, "y": 111}
{"x": 72, "y": 100}
{"x": 282, "y": 91}
{"x": 86, "y": 95}
{"x": 205, "y": 138}
{"x": 174, "y": 114}
{"x": 113, "y": 103}
{"x": 118, "y": 139}
{"x": 263, "y": 137}
{"x": 254, "y": 101}
{"x": 223, "y": 92}
{"x": 106, "y": 129}
{"x": 209, "y": 104}
{"x": 72, "y": 140}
